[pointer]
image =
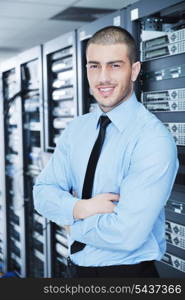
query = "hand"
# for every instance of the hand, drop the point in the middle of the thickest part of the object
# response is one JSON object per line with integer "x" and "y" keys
{"x": 100, "y": 204}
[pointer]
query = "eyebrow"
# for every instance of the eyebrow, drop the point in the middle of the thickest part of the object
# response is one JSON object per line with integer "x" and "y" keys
{"x": 108, "y": 63}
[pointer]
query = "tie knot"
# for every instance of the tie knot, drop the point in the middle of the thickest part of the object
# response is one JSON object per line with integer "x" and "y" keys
{"x": 104, "y": 121}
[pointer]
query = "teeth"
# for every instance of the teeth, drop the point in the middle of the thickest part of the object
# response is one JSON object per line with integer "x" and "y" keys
{"x": 105, "y": 89}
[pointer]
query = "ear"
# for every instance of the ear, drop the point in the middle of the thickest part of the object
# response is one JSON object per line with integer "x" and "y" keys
{"x": 136, "y": 67}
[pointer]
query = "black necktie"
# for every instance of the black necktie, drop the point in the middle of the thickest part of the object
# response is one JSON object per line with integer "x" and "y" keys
{"x": 90, "y": 171}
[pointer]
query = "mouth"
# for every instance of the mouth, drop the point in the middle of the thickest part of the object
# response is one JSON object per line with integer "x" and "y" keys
{"x": 106, "y": 91}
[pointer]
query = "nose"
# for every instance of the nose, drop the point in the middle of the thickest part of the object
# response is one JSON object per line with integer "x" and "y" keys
{"x": 104, "y": 75}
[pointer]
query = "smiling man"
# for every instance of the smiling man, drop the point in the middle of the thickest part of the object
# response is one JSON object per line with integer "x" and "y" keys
{"x": 112, "y": 171}
{"x": 111, "y": 73}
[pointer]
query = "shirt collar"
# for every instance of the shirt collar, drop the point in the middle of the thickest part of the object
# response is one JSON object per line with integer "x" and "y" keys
{"x": 121, "y": 114}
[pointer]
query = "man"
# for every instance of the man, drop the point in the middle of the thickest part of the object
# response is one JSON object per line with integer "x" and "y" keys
{"x": 121, "y": 172}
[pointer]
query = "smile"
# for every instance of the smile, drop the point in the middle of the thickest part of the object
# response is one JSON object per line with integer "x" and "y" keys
{"x": 106, "y": 91}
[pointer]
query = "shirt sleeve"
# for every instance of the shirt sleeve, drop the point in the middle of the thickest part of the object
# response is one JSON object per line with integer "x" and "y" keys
{"x": 143, "y": 194}
{"x": 52, "y": 198}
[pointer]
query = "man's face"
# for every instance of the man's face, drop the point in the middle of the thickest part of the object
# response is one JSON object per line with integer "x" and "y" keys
{"x": 110, "y": 74}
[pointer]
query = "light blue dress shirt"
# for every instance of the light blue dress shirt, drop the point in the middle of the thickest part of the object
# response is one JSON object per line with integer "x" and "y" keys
{"x": 138, "y": 161}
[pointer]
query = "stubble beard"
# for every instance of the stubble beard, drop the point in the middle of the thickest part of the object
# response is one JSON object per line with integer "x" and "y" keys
{"x": 107, "y": 107}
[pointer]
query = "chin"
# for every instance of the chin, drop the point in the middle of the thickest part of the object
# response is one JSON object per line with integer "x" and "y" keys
{"x": 107, "y": 107}
{"x": 105, "y": 101}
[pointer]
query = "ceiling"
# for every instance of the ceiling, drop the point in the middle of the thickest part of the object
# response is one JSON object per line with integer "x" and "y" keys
{"x": 27, "y": 23}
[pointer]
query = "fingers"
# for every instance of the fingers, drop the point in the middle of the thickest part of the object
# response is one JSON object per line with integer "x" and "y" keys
{"x": 109, "y": 207}
{"x": 111, "y": 197}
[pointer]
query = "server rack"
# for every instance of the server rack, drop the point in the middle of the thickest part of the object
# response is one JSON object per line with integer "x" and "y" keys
{"x": 86, "y": 101}
{"x": 60, "y": 107}
{"x": 3, "y": 227}
{"x": 12, "y": 200}
{"x": 30, "y": 85}
{"x": 158, "y": 28}
{"x": 60, "y": 86}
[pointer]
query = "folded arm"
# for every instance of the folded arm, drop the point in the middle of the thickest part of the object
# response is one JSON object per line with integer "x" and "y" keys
{"x": 52, "y": 198}
{"x": 143, "y": 194}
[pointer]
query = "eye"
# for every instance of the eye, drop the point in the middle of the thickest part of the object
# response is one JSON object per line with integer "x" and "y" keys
{"x": 92, "y": 66}
{"x": 116, "y": 66}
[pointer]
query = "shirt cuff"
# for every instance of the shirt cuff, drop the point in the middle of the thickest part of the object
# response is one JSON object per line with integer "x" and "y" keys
{"x": 65, "y": 219}
{"x": 68, "y": 218}
{"x": 81, "y": 227}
